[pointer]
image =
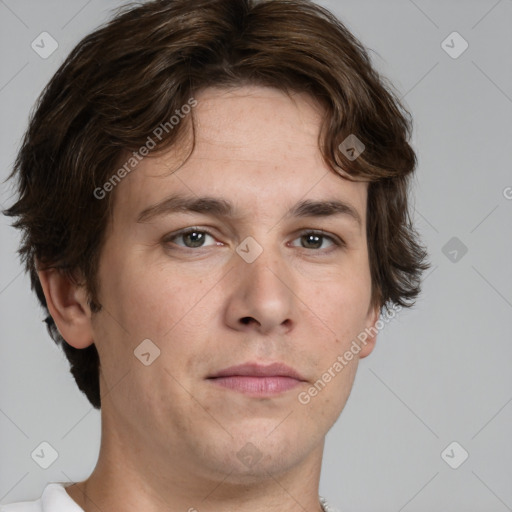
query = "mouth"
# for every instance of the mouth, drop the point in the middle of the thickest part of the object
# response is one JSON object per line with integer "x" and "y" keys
{"x": 258, "y": 380}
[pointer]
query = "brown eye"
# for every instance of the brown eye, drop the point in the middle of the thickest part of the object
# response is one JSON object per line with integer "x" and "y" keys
{"x": 315, "y": 240}
{"x": 312, "y": 241}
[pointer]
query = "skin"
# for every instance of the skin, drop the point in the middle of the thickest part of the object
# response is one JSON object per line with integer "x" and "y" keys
{"x": 170, "y": 436}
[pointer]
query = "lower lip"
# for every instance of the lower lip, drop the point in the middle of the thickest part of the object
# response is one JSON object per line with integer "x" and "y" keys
{"x": 259, "y": 386}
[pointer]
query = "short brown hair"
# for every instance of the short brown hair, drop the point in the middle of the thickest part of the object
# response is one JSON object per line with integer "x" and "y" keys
{"x": 131, "y": 75}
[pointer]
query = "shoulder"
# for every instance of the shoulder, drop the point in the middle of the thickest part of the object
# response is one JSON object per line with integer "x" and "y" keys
{"x": 53, "y": 499}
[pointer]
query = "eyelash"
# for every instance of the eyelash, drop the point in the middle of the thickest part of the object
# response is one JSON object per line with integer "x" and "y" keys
{"x": 337, "y": 242}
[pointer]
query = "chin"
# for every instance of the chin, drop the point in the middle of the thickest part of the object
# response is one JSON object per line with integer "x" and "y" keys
{"x": 252, "y": 454}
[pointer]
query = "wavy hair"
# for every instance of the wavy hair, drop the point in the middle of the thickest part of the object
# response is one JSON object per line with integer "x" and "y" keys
{"x": 133, "y": 73}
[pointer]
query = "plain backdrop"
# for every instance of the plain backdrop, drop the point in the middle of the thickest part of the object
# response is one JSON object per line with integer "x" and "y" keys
{"x": 441, "y": 372}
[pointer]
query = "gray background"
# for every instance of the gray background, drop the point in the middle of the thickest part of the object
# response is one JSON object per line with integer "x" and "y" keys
{"x": 440, "y": 373}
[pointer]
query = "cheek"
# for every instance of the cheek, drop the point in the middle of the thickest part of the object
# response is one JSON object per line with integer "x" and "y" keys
{"x": 147, "y": 301}
{"x": 343, "y": 307}
{"x": 343, "y": 303}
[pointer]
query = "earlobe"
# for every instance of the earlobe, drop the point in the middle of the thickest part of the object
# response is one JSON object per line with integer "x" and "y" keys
{"x": 371, "y": 332}
{"x": 67, "y": 304}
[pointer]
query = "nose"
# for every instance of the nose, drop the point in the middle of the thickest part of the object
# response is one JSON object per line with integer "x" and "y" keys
{"x": 262, "y": 296}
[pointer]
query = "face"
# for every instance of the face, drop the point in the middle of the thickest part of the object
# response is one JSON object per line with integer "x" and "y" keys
{"x": 256, "y": 277}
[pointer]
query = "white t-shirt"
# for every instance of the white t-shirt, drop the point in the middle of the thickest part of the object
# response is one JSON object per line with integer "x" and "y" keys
{"x": 56, "y": 499}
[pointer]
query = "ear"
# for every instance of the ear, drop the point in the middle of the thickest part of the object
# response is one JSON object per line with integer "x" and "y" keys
{"x": 68, "y": 306}
{"x": 369, "y": 343}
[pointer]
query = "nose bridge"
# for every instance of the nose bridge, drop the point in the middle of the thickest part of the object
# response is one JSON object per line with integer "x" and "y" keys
{"x": 262, "y": 285}
{"x": 262, "y": 260}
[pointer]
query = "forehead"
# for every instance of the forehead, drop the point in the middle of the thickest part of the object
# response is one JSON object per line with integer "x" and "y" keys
{"x": 256, "y": 146}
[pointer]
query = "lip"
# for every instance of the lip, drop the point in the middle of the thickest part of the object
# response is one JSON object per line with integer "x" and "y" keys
{"x": 257, "y": 379}
{"x": 259, "y": 370}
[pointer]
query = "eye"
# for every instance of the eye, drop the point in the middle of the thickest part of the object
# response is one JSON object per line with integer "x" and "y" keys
{"x": 192, "y": 238}
{"x": 316, "y": 239}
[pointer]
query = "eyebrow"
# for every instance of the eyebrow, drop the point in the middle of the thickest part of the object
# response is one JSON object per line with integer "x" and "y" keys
{"x": 222, "y": 208}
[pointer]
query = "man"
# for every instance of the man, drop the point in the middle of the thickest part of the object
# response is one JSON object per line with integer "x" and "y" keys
{"x": 215, "y": 215}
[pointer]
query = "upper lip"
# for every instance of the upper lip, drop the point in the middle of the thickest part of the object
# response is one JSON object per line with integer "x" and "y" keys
{"x": 259, "y": 370}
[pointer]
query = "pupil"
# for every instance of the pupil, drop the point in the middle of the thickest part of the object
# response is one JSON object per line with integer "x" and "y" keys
{"x": 314, "y": 238}
{"x": 196, "y": 238}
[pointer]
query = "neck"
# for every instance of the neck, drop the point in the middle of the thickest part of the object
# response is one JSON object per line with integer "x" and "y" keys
{"x": 143, "y": 478}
